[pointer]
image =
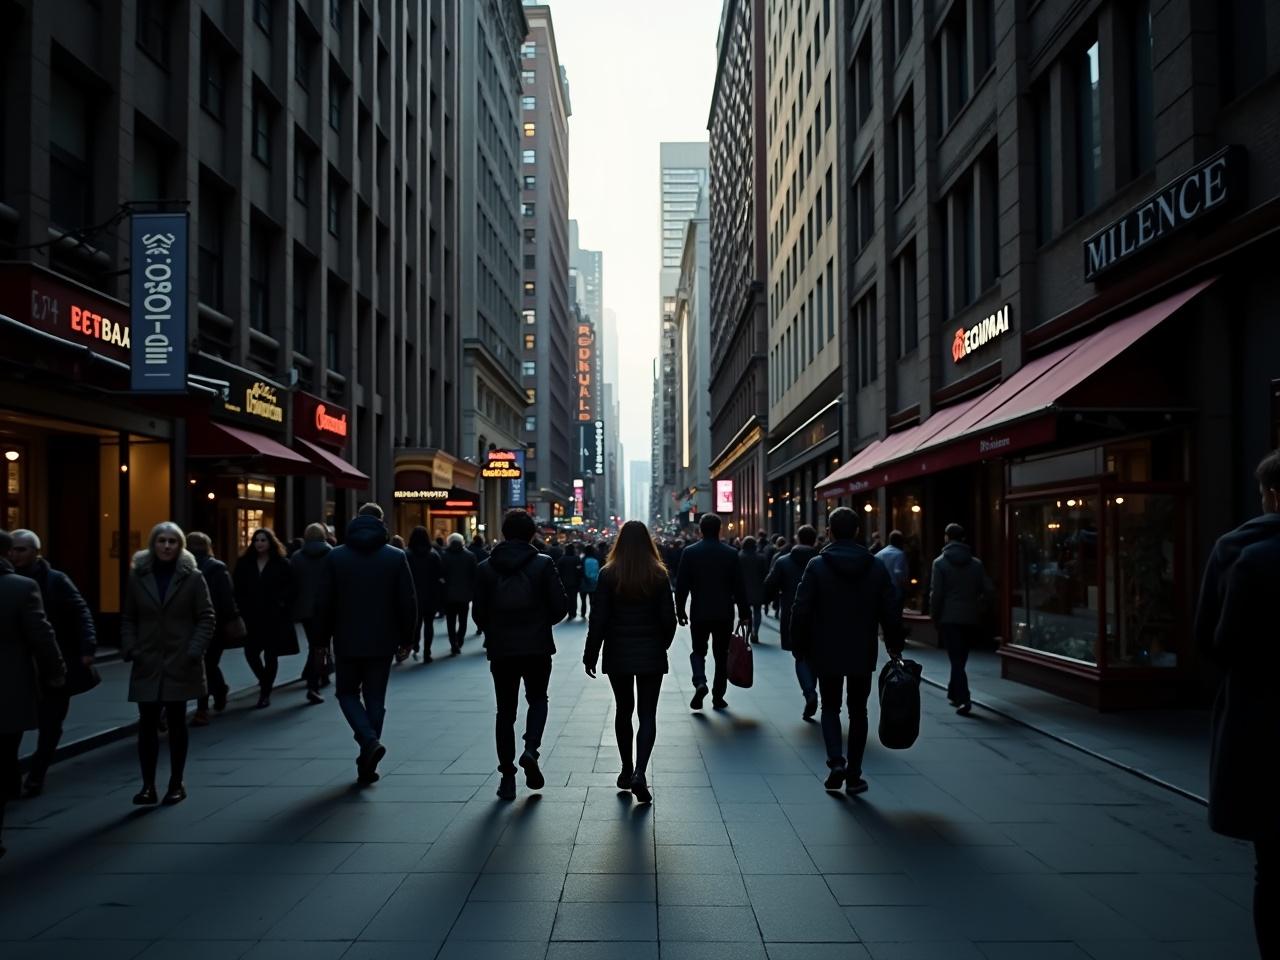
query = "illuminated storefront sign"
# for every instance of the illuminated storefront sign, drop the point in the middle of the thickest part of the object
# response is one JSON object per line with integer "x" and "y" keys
{"x": 966, "y": 341}
{"x": 579, "y": 499}
{"x": 586, "y": 373}
{"x": 253, "y": 400}
{"x": 502, "y": 465}
{"x": 43, "y": 300}
{"x": 724, "y": 496}
{"x": 320, "y": 421}
{"x": 516, "y": 496}
{"x": 158, "y": 294}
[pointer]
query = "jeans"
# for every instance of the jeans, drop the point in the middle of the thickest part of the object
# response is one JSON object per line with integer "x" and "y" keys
{"x": 585, "y": 596}
{"x": 264, "y": 662}
{"x": 859, "y": 691}
{"x": 757, "y": 613}
{"x": 719, "y": 631}
{"x": 425, "y": 632}
{"x": 535, "y": 671}
{"x": 957, "y": 638}
{"x": 455, "y": 620}
{"x": 631, "y": 691}
{"x": 1265, "y": 901}
{"x": 804, "y": 673}
{"x": 149, "y": 739}
{"x": 361, "y": 688}
{"x": 53, "y": 708}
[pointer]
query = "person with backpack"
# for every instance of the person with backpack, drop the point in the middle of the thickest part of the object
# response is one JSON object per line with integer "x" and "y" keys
{"x": 780, "y": 589}
{"x": 569, "y": 567}
{"x": 518, "y": 599}
{"x": 958, "y": 592}
{"x": 709, "y": 570}
{"x": 844, "y": 597}
{"x": 590, "y": 574}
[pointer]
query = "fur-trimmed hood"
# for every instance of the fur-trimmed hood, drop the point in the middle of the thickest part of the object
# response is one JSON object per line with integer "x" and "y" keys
{"x": 143, "y": 559}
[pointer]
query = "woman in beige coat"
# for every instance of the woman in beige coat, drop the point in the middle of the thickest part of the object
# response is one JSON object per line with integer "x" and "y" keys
{"x": 167, "y": 625}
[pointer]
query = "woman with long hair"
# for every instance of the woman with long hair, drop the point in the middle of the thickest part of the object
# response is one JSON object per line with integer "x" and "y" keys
{"x": 633, "y": 617}
{"x": 166, "y": 627}
{"x": 264, "y": 594}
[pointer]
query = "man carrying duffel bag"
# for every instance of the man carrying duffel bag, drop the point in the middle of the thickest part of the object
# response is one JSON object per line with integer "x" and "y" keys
{"x": 845, "y": 597}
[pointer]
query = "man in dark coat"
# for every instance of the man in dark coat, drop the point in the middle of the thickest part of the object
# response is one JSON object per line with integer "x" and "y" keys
{"x": 780, "y": 589}
{"x": 428, "y": 582}
{"x": 1245, "y": 725}
{"x": 958, "y": 596}
{"x": 570, "y": 569}
{"x": 77, "y": 640}
{"x": 30, "y": 665}
{"x": 519, "y": 598}
{"x": 459, "y": 567}
{"x": 366, "y": 605}
{"x": 755, "y": 568}
{"x": 843, "y": 597}
{"x": 222, "y": 594}
{"x": 709, "y": 570}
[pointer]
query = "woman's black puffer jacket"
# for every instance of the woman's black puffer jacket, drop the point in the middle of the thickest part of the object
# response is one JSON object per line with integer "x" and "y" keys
{"x": 635, "y": 633}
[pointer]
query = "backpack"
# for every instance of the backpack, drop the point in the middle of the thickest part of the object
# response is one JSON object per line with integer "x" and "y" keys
{"x": 516, "y": 598}
{"x": 590, "y": 574}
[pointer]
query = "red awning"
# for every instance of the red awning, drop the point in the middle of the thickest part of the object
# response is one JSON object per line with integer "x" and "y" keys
{"x": 1016, "y": 414}
{"x": 339, "y": 471}
{"x": 206, "y": 439}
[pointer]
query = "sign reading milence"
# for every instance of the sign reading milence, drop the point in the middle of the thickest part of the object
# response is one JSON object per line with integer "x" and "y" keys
{"x": 158, "y": 294}
{"x": 502, "y": 465}
{"x": 586, "y": 372}
{"x": 980, "y": 334}
{"x": 1207, "y": 188}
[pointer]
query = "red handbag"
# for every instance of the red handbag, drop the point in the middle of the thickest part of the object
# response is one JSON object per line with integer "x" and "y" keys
{"x": 741, "y": 667}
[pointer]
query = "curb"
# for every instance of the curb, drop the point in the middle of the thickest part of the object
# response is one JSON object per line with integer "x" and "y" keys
{"x": 1067, "y": 742}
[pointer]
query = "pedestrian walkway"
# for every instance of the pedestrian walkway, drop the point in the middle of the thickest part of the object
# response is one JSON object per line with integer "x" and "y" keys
{"x": 1171, "y": 746}
{"x": 985, "y": 840}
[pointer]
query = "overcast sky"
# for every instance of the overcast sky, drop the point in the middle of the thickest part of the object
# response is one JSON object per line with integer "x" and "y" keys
{"x": 639, "y": 74}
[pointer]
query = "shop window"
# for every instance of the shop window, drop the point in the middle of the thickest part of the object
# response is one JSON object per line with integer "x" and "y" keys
{"x": 907, "y": 515}
{"x": 13, "y": 494}
{"x": 1143, "y": 611}
{"x": 1056, "y": 606}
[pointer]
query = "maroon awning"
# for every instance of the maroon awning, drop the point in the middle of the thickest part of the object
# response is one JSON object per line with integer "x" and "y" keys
{"x": 1018, "y": 413}
{"x": 209, "y": 440}
{"x": 339, "y": 471}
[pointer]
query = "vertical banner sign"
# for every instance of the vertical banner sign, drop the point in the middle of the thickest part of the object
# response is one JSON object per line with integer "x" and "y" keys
{"x": 158, "y": 301}
{"x": 724, "y": 496}
{"x": 597, "y": 466}
{"x": 586, "y": 373}
{"x": 515, "y": 488}
{"x": 586, "y": 448}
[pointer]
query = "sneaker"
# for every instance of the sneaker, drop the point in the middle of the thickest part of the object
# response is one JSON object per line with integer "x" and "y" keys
{"x": 625, "y": 778}
{"x": 507, "y": 787}
{"x": 533, "y": 778}
{"x": 699, "y": 694}
{"x": 640, "y": 789}
{"x": 314, "y": 698}
{"x": 176, "y": 794}
{"x": 964, "y": 709}
{"x": 369, "y": 759}
{"x": 835, "y": 779}
{"x": 810, "y": 707}
{"x": 855, "y": 787}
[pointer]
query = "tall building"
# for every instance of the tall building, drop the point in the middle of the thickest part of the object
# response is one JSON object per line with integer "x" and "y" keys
{"x": 549, "y": 339}
{"x": 683, "y": 175}
{"x": 693, "y": 366}
{"x": 312, "y": 147}
{"x": 739, "y": 262}
{"x": 1062, "y": 298}
{"x": 589, "y": 267}
{"x": 805, "y": 176}
{"x": 491, "y": 291}
{"x": 638, "y": 490}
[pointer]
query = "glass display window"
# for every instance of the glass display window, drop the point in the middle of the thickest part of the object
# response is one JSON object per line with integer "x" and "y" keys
{"x": 1141, "y": 575}
{"x": 906, "y": 511}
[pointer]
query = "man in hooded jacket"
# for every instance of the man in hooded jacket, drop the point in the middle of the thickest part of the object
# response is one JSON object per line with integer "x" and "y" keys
{"x": 780, "y": 589}
{"x": 958, "y": 593}
{"x": 519, "y": 598}
{"x": 843, "y": 597}
{"x": 366, "y": 604}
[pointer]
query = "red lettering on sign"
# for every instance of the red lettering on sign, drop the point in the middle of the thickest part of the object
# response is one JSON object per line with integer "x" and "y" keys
{"x": 327, "y": 423}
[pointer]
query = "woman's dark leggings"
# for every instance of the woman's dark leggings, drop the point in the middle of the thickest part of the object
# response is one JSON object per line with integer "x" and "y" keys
{"x": 265, "y": 663}
{"x": 149, "y": 739}
{"x": 636, "y": 692}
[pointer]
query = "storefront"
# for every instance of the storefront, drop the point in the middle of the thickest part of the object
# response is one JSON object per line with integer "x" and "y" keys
{"x": 737, "y": 482}
{"x": 436, "y": 490}
{"x": 321, "y": 433}
{"x": 238, "y": 457}
{"x": 86, "y": 466}
{"x": 796, "y": 465}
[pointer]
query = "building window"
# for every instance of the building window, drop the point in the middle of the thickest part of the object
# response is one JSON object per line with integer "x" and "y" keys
{"x": 70, "y": 155}
{"x": 530, "y": 288}
{"x": 1243, "y": 28}
{"x": 908, "y": 305}
{"x": 528, "y": 157}
{"x": 302, "y": 60}
{"x": 335, "y": 14}
{"x": 902, "y": 20}
{"x": 261, "y": 129}
{"x": 530, "y": 341}
{"x": 530, "y": 181}
{"x": 262, "y": 15}
{"x": 334, "y": 218}
{"x": 864, "y": 196}
{"x": 528, "y": 51}
{"x": 862, "y": 83}
{"x": 528, "y": 103}
{"x": 529, "y": 368}
{"x": 301, "y": 175}
{"x": 530, "y": 128}
{"x": 1142, "y": 108}
{"x": 831, "y": 300}
{"x": 953, "y": 61}
{"x": 827, "y": 188}
{"x": 210, "y": 227}
{"x": 530, "y": 424}
{"x": 527, "y": 78}
{"x": 1045, "y": 152}
{"x": 905, "y": 127}
{"x": 530, "y": 317}
{"x": 530, "y": 262}
{"x": 213, "y": 79}
{"x": 530, "y": 235}
{"x": 1088, "y": 128}
{"x": 153, "y": 30}
{"x": 300, "y": 312}
{"x": 335, "y": 100}
{"x": 527, "y": 210}
{"x": 259, "y": 279}
{"x": 865, "y": 362}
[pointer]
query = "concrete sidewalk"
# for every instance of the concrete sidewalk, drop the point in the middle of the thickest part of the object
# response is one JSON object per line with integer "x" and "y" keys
{"x": 1168, "y": 746}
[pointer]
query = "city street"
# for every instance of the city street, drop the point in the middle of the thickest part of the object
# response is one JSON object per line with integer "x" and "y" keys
{"x": 984, "y": 840}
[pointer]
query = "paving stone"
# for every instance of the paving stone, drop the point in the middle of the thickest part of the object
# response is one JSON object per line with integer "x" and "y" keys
{"x": 606, "y": 921}
{"x": 609, "y": 888}
{"x": 505, "y": 922}
{"x": 797, "y": 909}
{"x": 707, "y": 923}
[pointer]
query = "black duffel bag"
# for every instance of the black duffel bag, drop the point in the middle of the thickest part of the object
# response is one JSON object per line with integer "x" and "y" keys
{"x": 899, "y": 703}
